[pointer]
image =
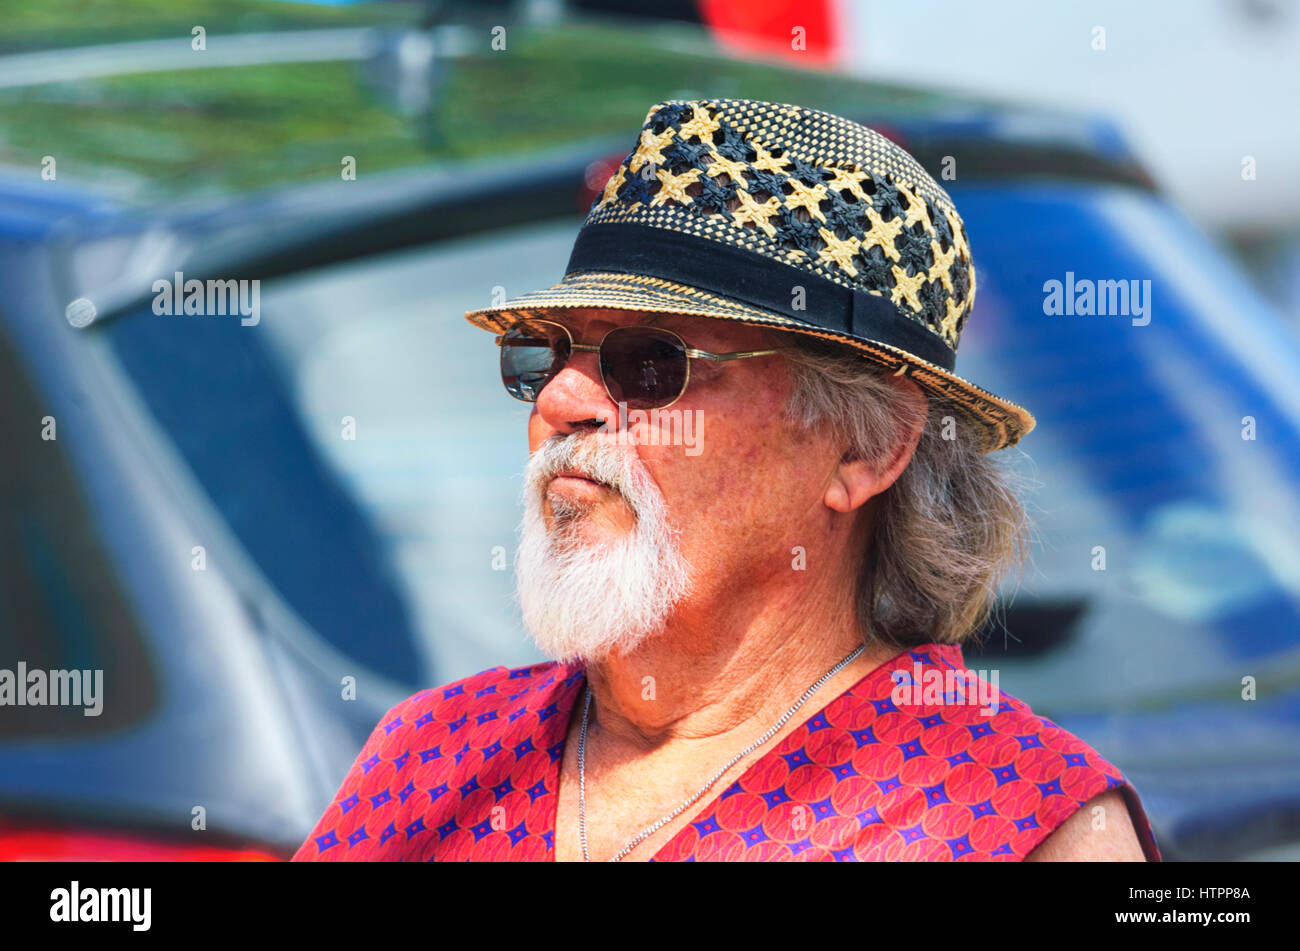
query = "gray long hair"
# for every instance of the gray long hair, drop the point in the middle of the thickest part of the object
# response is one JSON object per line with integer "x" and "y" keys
{"x": 944, "y": 534}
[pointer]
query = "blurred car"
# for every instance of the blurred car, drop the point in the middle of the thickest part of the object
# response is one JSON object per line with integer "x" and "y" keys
{"x": 266, "y": 535}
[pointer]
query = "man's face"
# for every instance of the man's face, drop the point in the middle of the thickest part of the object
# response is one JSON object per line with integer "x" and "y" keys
{"x": 665, "y": 526}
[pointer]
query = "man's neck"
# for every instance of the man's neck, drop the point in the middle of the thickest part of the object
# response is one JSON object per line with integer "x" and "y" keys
{"x": 705, "y": 676}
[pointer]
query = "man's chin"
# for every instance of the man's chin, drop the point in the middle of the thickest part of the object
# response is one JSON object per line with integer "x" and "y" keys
{"x": 582, "y": 534}
{"x": 590, "y": 520}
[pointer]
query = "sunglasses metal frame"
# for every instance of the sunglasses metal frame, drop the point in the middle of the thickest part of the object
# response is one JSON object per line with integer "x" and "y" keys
{"x": 692, "y": 353}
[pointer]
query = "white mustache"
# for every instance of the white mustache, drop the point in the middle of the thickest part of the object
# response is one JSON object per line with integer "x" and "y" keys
{"x": 596, "y": 460}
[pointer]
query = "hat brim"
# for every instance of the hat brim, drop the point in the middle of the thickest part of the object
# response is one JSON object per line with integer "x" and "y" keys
{"x": 1002, "y": 422}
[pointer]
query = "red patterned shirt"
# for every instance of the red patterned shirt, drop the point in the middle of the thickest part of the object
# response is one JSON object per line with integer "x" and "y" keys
{"x": 901, "y": 766}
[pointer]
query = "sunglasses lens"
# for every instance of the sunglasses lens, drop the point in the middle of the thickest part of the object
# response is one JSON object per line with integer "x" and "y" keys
{"x": 530, "y": 356}
{"x": 643, "y": 367}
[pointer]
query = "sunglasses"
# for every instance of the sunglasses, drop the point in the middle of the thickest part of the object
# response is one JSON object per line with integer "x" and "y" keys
{"x": 642, "y": 367}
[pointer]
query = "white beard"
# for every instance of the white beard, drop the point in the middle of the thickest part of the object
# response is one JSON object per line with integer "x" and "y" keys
{"x": 582, "y": 600}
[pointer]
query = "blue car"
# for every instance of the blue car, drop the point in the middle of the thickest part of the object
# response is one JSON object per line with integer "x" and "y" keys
{"x": 267, "y": 528}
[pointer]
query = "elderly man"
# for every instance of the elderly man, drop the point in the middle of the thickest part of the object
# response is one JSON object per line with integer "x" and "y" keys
{"x": 760, "y": 519}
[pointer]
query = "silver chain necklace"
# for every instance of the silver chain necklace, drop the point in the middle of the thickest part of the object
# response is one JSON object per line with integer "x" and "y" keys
{"x": 646, "y": 833}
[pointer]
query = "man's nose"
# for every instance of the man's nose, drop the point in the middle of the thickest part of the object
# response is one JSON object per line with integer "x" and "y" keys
{"x": 575, "y": 398}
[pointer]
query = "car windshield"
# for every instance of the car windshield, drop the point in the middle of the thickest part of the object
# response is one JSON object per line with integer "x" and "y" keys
{"x": 359, "y": 444}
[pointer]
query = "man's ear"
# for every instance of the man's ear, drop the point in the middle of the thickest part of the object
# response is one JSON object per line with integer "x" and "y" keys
{"x": 856, "y": 480}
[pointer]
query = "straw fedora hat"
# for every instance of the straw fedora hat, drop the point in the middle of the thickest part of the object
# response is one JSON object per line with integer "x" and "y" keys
{"x": 786, "y": 217}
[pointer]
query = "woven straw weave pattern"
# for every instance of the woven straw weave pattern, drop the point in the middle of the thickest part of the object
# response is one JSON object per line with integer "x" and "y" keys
{"x": 805, "y": 188}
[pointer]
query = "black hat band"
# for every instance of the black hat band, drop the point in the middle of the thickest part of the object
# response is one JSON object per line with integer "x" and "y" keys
{"x": 741, "y": 275}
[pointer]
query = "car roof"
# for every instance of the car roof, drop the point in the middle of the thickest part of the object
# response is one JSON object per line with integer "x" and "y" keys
{"x": 187, "y": 133}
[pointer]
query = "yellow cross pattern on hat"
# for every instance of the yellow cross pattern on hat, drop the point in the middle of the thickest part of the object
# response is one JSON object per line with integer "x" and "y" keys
{"x": 701, "y": 124}
{"x": 651, "y": 149}
{"x": 752, "y": 211}
{"x": 723, "y": 165}
{"x": 807, "y": 198}
{"x": 841, "y": 252}
{"x": 842, "y": 179}
{"x": 674, "y": 186}
{"x": 766, "y": 162}
{"x": 797, "y": 157}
